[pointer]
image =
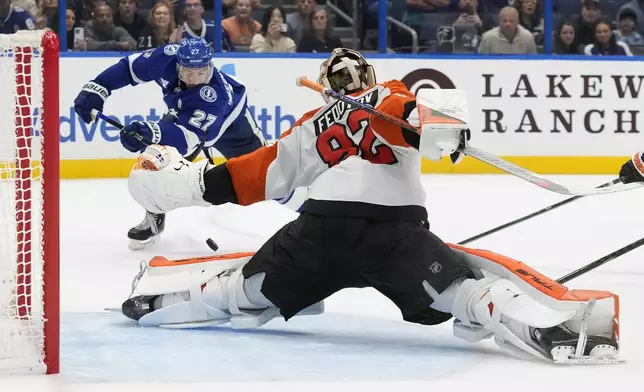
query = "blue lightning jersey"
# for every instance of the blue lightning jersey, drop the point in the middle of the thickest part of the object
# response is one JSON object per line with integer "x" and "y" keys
{"x": 202, "y": 112}
{"x": 17, "y": 19}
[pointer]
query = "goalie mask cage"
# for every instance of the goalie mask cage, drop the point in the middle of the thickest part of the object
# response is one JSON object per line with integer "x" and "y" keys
{"x": 29, "y": 199}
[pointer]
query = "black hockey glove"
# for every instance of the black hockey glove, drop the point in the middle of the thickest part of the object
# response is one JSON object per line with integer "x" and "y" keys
{"x": 633, "y": 170}
{"x": 456, "y": 156}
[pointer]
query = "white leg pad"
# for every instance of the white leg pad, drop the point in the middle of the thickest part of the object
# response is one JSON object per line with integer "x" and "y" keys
{"x": 211, "y": 292}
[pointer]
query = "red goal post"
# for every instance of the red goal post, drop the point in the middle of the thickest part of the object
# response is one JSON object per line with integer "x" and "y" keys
{"x": 29, "y": 202}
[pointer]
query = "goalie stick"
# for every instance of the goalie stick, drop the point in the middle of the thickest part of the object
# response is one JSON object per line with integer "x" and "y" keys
{"x": 475, "y": 153}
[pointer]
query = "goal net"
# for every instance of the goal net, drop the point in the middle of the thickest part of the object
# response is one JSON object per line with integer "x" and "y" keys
{"x": 29, "y": 202}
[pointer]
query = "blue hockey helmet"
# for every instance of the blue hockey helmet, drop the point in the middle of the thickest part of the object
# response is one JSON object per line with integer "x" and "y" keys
{"x": 194, "y": 66}
{"x": 194, "y": 53}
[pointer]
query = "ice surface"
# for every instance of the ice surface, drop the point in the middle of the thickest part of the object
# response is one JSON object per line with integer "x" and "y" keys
{"x": 360, "y": 343}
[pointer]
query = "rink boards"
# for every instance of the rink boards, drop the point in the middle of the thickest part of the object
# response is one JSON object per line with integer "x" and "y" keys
{"x": 551, "y": 116}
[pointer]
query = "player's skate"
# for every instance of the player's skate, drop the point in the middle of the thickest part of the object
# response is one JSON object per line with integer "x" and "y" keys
{"x": 528, "y": 313}
{"x": 201, "y": 292}
{"x": 146, "y": 232}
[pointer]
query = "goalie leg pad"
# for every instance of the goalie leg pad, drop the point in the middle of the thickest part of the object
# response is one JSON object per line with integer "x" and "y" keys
{"x": 496, "y": 307}
{"x": 519, "y": 305}
{"x": 202, "y": 292}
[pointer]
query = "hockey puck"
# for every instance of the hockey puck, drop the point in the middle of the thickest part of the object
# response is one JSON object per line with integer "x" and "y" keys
{"x": 212, "y": 244}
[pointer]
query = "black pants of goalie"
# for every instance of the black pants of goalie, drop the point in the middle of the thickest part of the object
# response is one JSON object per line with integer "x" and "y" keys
{"x": 314, "y": 256}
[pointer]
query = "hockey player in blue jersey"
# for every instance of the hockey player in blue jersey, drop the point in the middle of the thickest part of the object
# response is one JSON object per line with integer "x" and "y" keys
{"x": 207, "y": 110}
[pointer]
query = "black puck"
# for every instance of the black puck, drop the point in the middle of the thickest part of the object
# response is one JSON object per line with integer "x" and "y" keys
{"x": 212, "y": 244}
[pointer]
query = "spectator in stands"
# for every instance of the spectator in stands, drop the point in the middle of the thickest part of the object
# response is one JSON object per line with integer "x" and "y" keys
{"x": 626, "y": 29}
{"x": 73, "y": 42}
{"x": 605, "y": 43}
{"x": 300, "y": 21}
{"x": 271, "y": 38}
{"x": 635, "y": 6}
{"x": 531, "y": 18}
{"x": 509, "y": 37}
{"x": 469, "y": 16}
{"x": 229, "y": 6}
{"x": 127, "y": 16}
{"x": 565, "y": 39}
{"x": 590, "y": 14}
{"x": 102, "y": 35}
{"x": 194, "y": 25}
{"x": 242, "y": 27}
{"x": 47, "y": 15}
{"x": 14, "y": 18}
{"x": 161, "y": 29}
{"x": 320, "y": 38}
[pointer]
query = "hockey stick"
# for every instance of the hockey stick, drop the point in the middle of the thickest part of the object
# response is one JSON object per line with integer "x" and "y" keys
{"x": 591, "y": 266}
{"x": 475, "y": 153}
{"x": 96, "y": 114}
{"x": 532, "y": 215}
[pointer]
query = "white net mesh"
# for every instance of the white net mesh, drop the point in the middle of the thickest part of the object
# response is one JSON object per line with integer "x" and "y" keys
{"x": 21, "y": 263}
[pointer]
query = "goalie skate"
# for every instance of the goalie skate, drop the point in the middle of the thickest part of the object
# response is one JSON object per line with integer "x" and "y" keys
{"x": 569, "y": 348}
{"x": 146, "y": 232}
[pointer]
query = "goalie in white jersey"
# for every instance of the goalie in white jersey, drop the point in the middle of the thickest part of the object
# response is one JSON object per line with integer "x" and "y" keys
{"x": 363, "y": 225}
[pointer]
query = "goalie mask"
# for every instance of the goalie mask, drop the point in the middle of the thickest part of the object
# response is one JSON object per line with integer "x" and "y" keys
{"x": 346, "y": 72}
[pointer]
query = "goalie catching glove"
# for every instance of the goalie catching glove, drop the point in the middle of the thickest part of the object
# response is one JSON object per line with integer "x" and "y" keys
{"x": 181, "y": 183}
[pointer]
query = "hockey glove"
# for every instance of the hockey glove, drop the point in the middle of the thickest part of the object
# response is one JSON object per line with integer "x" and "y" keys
{"x": 456, "y": 156}
{"x": 92, "y": 96}
{"x": 633, "y": 170}
{"x": 150, "y": 131}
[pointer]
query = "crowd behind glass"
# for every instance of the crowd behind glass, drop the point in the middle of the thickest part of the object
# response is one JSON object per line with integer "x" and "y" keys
{"x": 578, "y": 27}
